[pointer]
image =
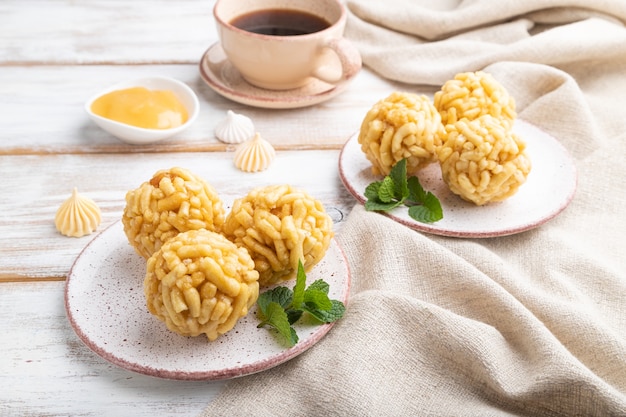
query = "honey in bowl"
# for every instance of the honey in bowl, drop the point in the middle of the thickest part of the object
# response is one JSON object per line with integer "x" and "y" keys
{"x": 141, "y": 107}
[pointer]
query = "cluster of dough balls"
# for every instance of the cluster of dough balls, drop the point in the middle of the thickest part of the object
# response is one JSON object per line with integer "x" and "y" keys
{"x": 204, "y": 269}
{"x": 173, "y": 201}
{"x": 280, "y": 225}
{"x": 467, "y": 129}
{"x": 199, "y": 282}
{"x": 402, "y": 125}
{"x": 481, "y": 159}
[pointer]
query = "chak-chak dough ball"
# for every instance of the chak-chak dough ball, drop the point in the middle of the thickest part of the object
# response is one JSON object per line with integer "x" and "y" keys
{"x": 173, "y": 201}
{"x": 482, "y": 161}
{"x": 279, "y": 226}
{"x": 199, "y": 282}
{"x": 403, "y": 125}
{"x": 471, "y": 95}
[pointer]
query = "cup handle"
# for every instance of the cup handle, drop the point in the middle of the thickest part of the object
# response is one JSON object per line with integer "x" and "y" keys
{"x": 349, "y": 58}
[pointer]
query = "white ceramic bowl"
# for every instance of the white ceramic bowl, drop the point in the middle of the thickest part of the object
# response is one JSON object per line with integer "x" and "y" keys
{"x": 138, "y": 135}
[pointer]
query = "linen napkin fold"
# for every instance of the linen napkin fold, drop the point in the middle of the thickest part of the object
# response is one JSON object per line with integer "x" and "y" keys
{"x": 532, "y": 324}
{"x": 448, "y": 327}
{"x": 425, "y": 42}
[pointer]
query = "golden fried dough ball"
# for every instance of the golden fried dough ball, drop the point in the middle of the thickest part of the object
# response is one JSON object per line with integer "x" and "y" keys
{"x": 403, "y": 125}
{"x": 280, "y": 225}
{"x": 200, "y": 282}
{"x": 173, "y": 201}
{"x": 482, "y": 161}
{"x": 474, "y": 94}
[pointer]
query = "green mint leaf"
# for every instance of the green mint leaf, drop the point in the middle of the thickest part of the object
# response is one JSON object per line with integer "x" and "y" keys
{"x": 294, "y": 337}
{"x": 396, "y": 189}
{"x": 381, "y": 196}
{"x": 321, "y": 285}
{"x": 328, "y": 316}
{"x": 416, "y": 191}
{"x": 389, "y": 193}
{"x": 428, "y": 212}
{"x": 371, "y": 191}
{"x": 378, "y": 206}
{"x": 294, "y": 315}
{"x": 387, "y": 190}
{"x": 434, "y": 205}
{"x": 373, "y": 194}
{"x": 398, "y": 177}
{"x": 314, "y": 298}
{"x": 298, "y": 289}
{"x": 276, "y": 318}
{"x": 281, "y": 307}
{"x": 280, "y": 295}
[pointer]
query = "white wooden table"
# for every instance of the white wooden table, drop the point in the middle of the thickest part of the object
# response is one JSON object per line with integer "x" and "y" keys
{"x": 55, "y": 54}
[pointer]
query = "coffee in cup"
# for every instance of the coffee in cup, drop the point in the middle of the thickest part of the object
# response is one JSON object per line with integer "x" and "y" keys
{"x": 284, "y": 44}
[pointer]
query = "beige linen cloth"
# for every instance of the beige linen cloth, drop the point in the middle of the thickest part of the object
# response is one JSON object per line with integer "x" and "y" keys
{"x": 527, "y": 325}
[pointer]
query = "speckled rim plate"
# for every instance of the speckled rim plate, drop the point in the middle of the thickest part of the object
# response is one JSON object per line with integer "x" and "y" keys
{"x": 550, "y": 187}
{"x": 105, "y": 305}
{"x": 221, "y": 76}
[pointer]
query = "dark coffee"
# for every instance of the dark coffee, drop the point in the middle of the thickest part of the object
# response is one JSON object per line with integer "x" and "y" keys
{"x": 279, "y": 22}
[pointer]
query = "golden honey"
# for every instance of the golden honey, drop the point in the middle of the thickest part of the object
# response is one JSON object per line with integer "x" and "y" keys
{"x": 141, "y": 107}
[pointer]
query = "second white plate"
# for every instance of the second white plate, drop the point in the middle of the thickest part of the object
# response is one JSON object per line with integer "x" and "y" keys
{"x": 548, "y": 190}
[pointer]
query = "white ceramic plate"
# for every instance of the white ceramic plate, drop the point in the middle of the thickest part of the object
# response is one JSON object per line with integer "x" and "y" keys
{"x": 105, "y": 305}
{"x": 548, "y": 190}
{"x": 221, "y": 76}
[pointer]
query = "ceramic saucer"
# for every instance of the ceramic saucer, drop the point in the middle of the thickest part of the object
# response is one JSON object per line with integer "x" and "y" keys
{"x": 221, "y": 76}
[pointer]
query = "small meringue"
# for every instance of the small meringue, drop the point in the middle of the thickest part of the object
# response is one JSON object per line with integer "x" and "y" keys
{"x": 77, "y": 216}
{"x": 254, "y": 155}
{"x": 235, "y": 128}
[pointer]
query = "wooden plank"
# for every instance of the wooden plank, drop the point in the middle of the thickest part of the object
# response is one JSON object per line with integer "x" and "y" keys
{"x": 103, "y": 31}
{"x": 47, "y": 115}
{"x": 34, "y": 186}
{"x": 45, "y": 370}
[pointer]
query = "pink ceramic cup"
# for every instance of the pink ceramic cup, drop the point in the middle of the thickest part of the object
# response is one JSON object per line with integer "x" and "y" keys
{"x": 285, "y": 62}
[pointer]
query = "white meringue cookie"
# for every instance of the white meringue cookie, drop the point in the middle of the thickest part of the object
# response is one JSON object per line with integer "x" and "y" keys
{"x": 235, "y": 128}
{"x": 255, "y": 155}
{"x": 77, "y": 216}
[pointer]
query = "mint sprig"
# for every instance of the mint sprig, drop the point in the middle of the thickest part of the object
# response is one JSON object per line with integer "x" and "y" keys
{"x": 281, "y": 307}
{"x": 396, "y": 190}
